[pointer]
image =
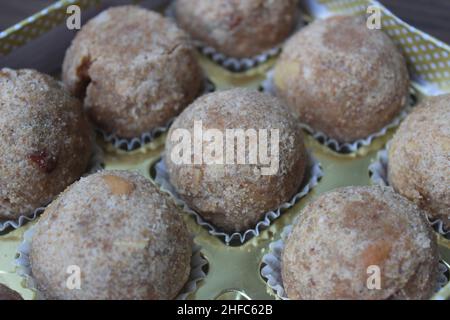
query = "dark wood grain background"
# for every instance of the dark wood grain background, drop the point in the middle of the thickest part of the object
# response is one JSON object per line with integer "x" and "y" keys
{"x": 431, "y": 16}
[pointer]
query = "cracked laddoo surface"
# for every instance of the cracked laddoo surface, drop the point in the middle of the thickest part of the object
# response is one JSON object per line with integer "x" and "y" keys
{"x": 45, "y": 141}
{"x": 8, "y": 294}
{"x": 342, "y": 233}
{"x": 234, "y": 195}
{"x": 419, "y": 158}
{"x": 135, "y": 70}
{"x": 342, "y": 78}
{"x": 127, "y": 238}
{"x": 238, "y": 28}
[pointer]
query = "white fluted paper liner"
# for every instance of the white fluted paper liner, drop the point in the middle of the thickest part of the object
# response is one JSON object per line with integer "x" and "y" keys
{"x": 23, "y": 269}
{"x": 347, "y": 147}
{"x": 95, "y": 164}
{"x": 21, "y": 220}
{"x": 313, "y": 174}
{"x": 137, "y": 142}
{"x": 378, "y": 171}
{"x": 236, "y": 64}
{"x": 197, "y": 274}
{"x": 272, "y": 260}
{"x": 272, "y": 267}
{"x": 130, "y": 144}
{"x": 231, "y": 63}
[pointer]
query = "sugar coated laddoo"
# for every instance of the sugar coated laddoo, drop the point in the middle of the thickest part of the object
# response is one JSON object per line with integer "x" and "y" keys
{"x": 342, "y": 78}
{"x": 360, "y": 243}
{"x": 45, "y": 141}
{"x": 239, "y": 29}
{"x": 124, "y": 237}
{"x": 419, "y": 158}
{"x": 233, "y": 183}
{"x": 8, "y": 294}
{"x": 134, "y": 69}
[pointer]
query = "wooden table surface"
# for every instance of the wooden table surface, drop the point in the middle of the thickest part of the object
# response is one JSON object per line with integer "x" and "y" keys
{"x": 431, "y": 16}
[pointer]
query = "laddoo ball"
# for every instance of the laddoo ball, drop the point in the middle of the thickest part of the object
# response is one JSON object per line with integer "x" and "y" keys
{"x": 342, "y": 78}
{"x": 419, "y": 158}
{"x": 361, "y": 243}
{"x": 8, "y": 294}
{"x": 115, "y": 230}
{"x": 238, "y": 28}
{"x": 45, "y": 141}
{"x": 233, "y": 192}
{"x": 134, "y": 69}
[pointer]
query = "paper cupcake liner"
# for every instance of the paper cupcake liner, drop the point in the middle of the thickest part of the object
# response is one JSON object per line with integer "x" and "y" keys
{"x": 196, "y": 275}
{"x": 314, "y": 173}
{"x": 236, "y": 64}
{"x": 378, "y": 172}
{"x": 343, "y": 147}
{"x": 137, "y": 142}
{"x": 23, "y": 269}
{"x": 130, "y": 144}
{"x": 271, "y": 270}
{"x": 95, "y": 164}
{"x": 231, "y": 63}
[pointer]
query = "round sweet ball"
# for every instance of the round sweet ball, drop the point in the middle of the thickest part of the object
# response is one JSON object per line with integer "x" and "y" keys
{"x": 8, "y": 294}
{"x": 111, "y": 235}
{"x": 134, "y": 69}
{"x": 360, "y": 243}
{"x": 342, "y": 78}
{"x": 419, "y": 158}
{"x": 45, "y": 141}
{"x": 247, "y": 157}
{"x": 239, "y": 29}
